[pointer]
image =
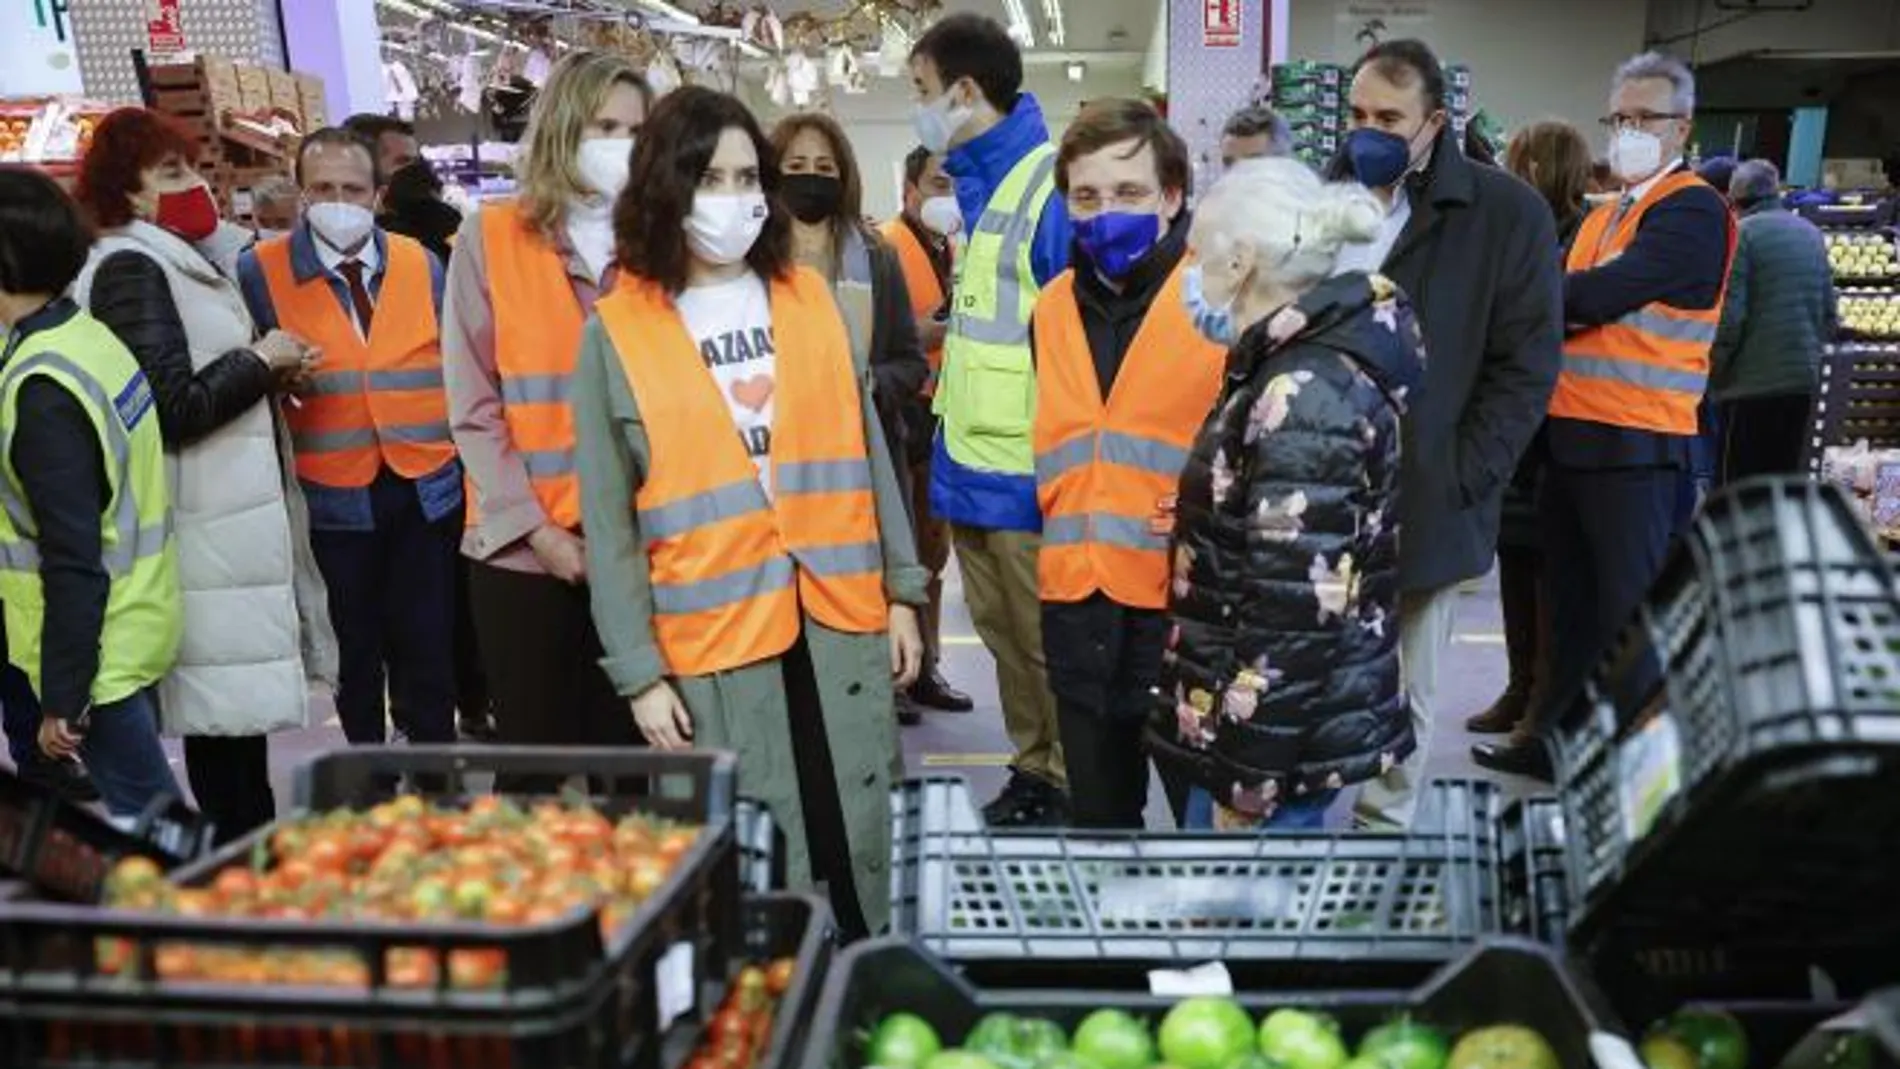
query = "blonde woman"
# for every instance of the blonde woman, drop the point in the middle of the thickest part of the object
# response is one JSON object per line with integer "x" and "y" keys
{"x": 523, "y": 279}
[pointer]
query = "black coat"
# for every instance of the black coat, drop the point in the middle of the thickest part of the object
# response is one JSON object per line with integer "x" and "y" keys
{"x": 1475, "y": 257}
{"x": 1282, "y": 669}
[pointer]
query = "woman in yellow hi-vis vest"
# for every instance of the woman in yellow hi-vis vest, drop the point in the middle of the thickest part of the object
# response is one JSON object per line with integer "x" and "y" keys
{"x": 88, "y": 563}
{"x": 747, "y": 546}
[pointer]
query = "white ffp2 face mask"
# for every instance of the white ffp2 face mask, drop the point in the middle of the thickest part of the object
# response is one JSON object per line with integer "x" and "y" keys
{"x": 1635, "y": 154}
{"x": 604, "y": 163}
{"x": 723, "y": 227}
{"x": 937, "y": 122}
{"x": 341, "y": 226}
{"x": 940, "y": 215}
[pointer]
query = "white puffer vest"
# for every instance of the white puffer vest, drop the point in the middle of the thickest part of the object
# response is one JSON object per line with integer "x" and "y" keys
{"x": 257, "y": 626}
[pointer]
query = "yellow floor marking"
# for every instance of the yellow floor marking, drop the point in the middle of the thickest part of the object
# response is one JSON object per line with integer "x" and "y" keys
{"x": 1481, "y": 638}
{"x": 965, "y": 760}
{"x": 961, "y": 640}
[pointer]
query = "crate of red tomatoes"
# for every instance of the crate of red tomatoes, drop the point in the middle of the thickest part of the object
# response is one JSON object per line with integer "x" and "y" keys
{"x": 61, "y": 850}
{"x": 455, "y": 907}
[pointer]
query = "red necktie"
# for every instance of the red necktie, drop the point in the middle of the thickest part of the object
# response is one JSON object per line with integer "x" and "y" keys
{"x": 352, "y": 271}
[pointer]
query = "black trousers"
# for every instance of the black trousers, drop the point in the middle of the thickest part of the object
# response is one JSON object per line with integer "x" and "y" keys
{"x": 542, "y": 658}
{"x": 471, "y": 681}
{"x": 825, "y": 838}
{"x": 1763, "y": 435}
{"x": 1104, "y": 663}
{"x": 392, "y": 601}
{"x": 230, "y": 777}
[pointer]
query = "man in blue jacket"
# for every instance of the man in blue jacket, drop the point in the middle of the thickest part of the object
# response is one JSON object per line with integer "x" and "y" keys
{"x": 968, "y": 74}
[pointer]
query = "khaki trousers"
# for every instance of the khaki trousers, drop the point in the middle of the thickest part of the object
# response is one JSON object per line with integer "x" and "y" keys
{"x": 999, "y": 581}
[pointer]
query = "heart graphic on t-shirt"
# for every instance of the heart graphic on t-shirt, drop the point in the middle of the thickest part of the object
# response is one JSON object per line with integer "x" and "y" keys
{"x": 754, "y": 393}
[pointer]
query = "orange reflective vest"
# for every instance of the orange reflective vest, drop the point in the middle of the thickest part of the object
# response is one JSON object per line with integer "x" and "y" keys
{"x": 731, "y": 568}
{"x": 1102, "y": 467}
{"x": 538, "y": 324}
{"x": 920, "y": 278}
{"x": 1649, "y": 369}
{"x": 372, "y": 403}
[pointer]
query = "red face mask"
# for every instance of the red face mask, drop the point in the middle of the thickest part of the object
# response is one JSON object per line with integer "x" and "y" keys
{"x": 189, "y": 213}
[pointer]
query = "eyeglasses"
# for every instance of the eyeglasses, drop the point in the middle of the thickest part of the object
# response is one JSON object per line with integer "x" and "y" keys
{"x": 1639, "y": 119}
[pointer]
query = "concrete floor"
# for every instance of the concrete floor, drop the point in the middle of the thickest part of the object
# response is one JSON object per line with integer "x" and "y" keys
{"x": 974, "y": 745}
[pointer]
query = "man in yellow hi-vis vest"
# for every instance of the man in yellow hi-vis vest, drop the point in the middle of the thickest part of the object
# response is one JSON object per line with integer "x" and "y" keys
{"x": 968, "y": 74}
{"x": 88, "y": 563}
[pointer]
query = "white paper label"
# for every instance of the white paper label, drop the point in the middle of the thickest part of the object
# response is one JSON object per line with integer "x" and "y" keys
{"x": 1649, "y": 774}
{"x": 1209, "y": 979}
{"x": 676, "y": 989}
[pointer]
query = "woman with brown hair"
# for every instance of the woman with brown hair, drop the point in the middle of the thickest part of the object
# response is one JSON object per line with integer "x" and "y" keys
{"x": 1555, "y": 159}
{"x": 753, "y": 574}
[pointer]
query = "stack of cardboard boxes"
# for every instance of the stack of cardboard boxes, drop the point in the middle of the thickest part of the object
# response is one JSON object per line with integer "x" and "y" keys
{"x": 247, "y": 119}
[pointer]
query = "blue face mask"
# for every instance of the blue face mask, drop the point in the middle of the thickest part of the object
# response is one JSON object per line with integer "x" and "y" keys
{"x": 1215, "y": 323}
{"x": 1116, "y": 241}
{"x": 1378, "y": 159}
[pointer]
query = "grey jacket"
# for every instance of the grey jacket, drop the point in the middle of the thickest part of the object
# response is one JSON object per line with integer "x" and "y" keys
{"x": 1780, "y": 308}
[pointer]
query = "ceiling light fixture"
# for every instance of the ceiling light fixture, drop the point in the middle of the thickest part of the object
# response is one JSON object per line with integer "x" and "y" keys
{"x": 1019, "y": 25}
{"x": 1052, "y": 23}
{"x": 1077, "y": 70}
{"x": 661, "y": 7}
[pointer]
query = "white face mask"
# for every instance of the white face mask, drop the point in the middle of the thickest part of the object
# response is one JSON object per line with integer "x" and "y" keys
{"x": 940, "y": 215}
{"x": 722, "y": 227}
{"x": 1635, "y": 154}
{"x": 343, "y": 227}
{"x": 604, "y": 163}
{"x": 938, "y": 121}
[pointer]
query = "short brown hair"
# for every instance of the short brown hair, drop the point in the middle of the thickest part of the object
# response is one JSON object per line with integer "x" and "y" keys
{"x": 1555, "y": 159}
{"x": 851, "y": 199}
{"x": 126, "y": 143}
{"x": 1102, "y": 123}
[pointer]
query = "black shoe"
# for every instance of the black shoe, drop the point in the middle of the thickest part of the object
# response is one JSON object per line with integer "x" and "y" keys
{"x": 908, "y": 714}
{"x": 477, "y": 727}
{"x": 1027, "y": 801}
{"x": 1504, "y": 715}
{"x": 932, "y": 692}
{"x": 65, "y": 778}
{"x": 1517, "y": 756}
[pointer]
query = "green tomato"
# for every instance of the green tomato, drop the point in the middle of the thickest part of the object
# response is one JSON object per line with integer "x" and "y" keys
{"x": 1067, "y": 1059}
{"x": 1113, "y": 1039}
{"x": 959, "y": 1059}
{"x": 1405, "y": 1044}
{"x": 1301, "y": 1040}
{"x": 902, "y": 1041}
{"x": 1717, "y": 1038}
{"x": 1205, "y": 1033}
{"x": 1503, "y": 1046}
{"x": 1660, "y": 1050}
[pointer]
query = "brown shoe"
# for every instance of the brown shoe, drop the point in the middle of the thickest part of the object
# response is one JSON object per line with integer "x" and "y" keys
{"x": 1505, "y": 714}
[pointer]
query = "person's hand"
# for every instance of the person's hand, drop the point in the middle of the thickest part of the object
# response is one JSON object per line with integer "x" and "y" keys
{"x": 561, "y": 552}
{"x": 907, "y": 646}
{"x": 662, "y": 718}
{"x": 296, "y": 379}
{"x": 58, "y": 738}
{"x": 281, "y": 352}
{"x": 1162, "y": 522}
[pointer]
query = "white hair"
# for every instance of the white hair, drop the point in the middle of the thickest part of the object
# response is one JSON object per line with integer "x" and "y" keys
{"x": 1665, "y": 68}
{"x": 1293, "y": 222}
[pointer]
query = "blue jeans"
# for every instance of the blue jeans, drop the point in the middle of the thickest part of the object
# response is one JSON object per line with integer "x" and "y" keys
{"x": 1306, "y": 813}
{"x": 19, "y": 709}
{"x": 122, "y": 753}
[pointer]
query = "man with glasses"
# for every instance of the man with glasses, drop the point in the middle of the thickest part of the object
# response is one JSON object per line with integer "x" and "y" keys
{"x": 1642, "y": 304}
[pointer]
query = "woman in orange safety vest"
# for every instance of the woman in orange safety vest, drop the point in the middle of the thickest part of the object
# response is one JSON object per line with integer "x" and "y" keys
{"x": 752, "y": 571}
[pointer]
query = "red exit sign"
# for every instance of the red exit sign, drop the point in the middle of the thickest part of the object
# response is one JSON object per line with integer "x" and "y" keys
{"x": 1220, "y": 23}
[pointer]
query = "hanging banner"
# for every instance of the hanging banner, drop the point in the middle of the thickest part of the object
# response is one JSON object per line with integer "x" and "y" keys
{"x": 164, "y": 30}
{"x": 37, "y": 56}
{"x": 1220, "y": 23}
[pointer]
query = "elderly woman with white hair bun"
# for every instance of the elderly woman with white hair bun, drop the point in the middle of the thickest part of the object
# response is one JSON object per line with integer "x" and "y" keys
{"x": 1281, "y": 683}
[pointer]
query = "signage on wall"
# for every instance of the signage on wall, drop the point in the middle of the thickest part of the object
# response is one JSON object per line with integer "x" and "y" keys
{"x": 164, "y": 30}
{"x": 1364, "y": 23}
{"x": 37, "y": 53}
{"x": 1220, "y": 23}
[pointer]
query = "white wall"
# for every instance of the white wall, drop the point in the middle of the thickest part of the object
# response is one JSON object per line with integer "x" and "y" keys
{"x": 1827, "y": 25}
{"x": 1529, "y": 59}
{"x": 879, "y": 122}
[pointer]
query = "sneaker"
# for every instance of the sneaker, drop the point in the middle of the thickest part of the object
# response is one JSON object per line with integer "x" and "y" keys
{"x": 65, "y": 778}
{"x": 1026, "y": 801}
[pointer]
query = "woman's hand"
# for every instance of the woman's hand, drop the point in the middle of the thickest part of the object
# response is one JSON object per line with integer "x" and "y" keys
{"x": 561, "y": 552}
{"x": 283, "y": 353}
{"x": 907, "y": 646}
{"x": 1162, "y": 522}
{"x": 663, "y": 718}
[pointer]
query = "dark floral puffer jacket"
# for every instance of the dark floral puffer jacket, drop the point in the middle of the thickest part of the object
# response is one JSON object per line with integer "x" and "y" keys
{"x": 1281, "y": 675}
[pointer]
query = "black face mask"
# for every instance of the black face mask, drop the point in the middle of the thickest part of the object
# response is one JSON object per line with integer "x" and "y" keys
{"x": 813, "y": 198}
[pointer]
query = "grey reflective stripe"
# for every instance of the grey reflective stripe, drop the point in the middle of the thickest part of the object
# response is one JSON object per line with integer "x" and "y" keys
{"x": 821, "y": 476}
{"x": 416, "y": 432}
{"x": 1053, "y": 464}
{"x": 534, "y": 389}
{"x": 542, "y": 463}
{"x": 1664, "y": 326}
{"x": 1105, "y": 527}
{"x": 994, "y": 222}
{"x": 1133, "y": 451}
{"x": 334, "y": 441}
{"x": 134, "y": 544}
{"x": 333, "y": 382}
{"x": 338, "y": 382}
{"x": 1014, "y": 230}
{"x": 1634, "y": 373}
{"x": 764, "y": 578}
{"x": 841, "y": 560}
{"x": 722, "y": 503}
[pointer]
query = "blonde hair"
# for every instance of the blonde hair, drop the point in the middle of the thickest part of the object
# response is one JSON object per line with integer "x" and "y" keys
{"x": 545, "y": 173}
{"x": 1294, "y": 222}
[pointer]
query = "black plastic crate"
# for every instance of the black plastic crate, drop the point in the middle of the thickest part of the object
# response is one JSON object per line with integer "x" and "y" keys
{"x": 1729, "y": 772}
{"x": 1857, "y": 399}
{"x": 761, "y": 845}
{"x": 775, "y": 926}
{"x": 571, "y": 998}
{"x": 1502, "y": 980}
{"x": 1379, "y": 908}
{"x": 64, "y": 850}
{"x": 1531, "y": 866}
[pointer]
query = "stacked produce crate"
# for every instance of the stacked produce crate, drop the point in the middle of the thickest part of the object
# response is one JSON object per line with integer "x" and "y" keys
{"x": 1313, "y": 99}
{"x": 246, "y": 119}
{"x": 408, "y": 916}
{"x": 1855, "y": 436}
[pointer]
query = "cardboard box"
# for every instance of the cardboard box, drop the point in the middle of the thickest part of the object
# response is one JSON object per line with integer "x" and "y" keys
{"x": 310, "y": 101}
{"x": 253, "y": 89}
{"x": 284, "y": 92}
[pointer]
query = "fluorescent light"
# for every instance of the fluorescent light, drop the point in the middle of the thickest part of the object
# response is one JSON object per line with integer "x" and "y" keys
{"x": 407, "y": 8}
{"x": 1019, "y": 25}
{"x": 1052, "y": 22}
{"x": 661, "y": 7}
{"x": 1077, "y": 70}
